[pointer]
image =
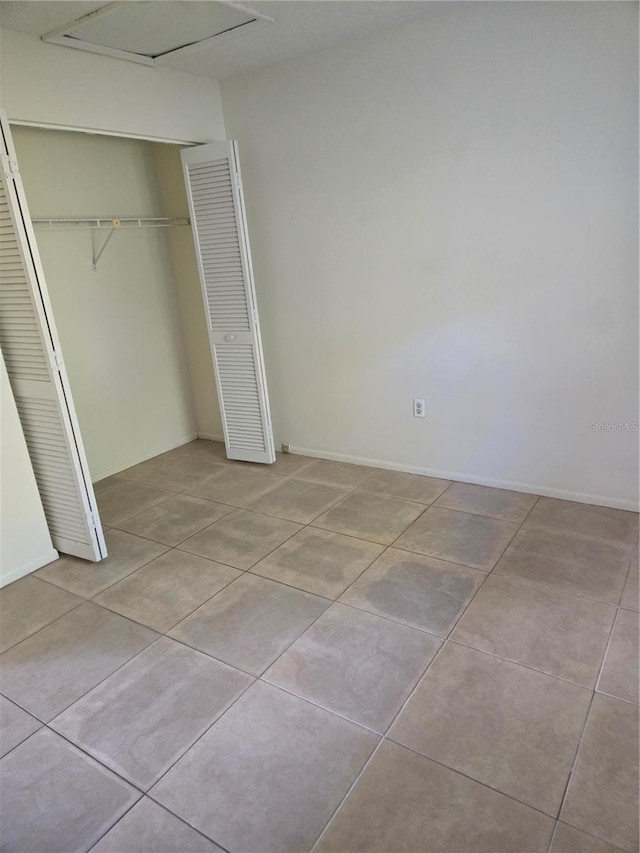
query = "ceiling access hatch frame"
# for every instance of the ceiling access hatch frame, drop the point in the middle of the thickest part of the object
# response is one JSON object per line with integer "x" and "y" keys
{"x": 248, "y": 20}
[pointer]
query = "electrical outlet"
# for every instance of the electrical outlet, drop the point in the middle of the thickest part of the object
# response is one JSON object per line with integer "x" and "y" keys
{"x": 286, "y": 448}
{"x": 418, "y": 408}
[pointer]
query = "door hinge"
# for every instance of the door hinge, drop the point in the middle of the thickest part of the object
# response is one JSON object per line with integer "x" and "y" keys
{"x": 10, "y": 166}
{"x": 55, "y": 360}
{"x": 93, "y": 519}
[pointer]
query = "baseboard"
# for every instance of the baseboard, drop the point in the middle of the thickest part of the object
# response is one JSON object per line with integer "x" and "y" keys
{"x": 461, "y": 477}
{"x": 31, "y": 566}
{"x": 209, "y": 436}
{"x": 178, "y": 442}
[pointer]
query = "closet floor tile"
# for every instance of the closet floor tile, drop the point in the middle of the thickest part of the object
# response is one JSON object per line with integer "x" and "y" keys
{"x": 126, "y": 499}
{"x": 175, "y": 519}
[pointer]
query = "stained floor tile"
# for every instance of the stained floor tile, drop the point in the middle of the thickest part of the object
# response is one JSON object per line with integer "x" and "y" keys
{"x": 126, "y": 554}
{"x": 567, "y": 839}
{"x": 619, "y": 676}
{"x": 236, "y": 486}
{"x": 163, "y": 592}
{"x": 558, "y": 634}
{"x": 298, "y": 500}
{"x": 28, "y": 605}
{"x": 355, "y": 664}
{"x": 408, "y": 487}
{"x": 331, "y": 473}
{"x": 630, "y": 596}
{"x": 484, "y": 500}
{"x": 15, "y": 725}
{"x": 459, "y": 537}
{"x": 148, "y": 828}
{"x": 405, "y": 802}
{"x": 173, "y": 472}
{"x": 507, "y": 726}
{"x": 250, "y": 622}
{"x": 127, "y": 499}
{"x": 175, "y": 519}
{"x": 419, "y": 591}
{"x": 612, "y": 525}
{"x": 51, "y": 669}
{"x": 602, "y": 798}
{"x": 241, "y": 538}
{"x": 268, "y": 775}
{"x": 578, "y": 565}
{"x": 318, "y": 561}
{"x": 368, "y": 516}
{"x": 141, "y": 719}
{"x": 65, "y": 800}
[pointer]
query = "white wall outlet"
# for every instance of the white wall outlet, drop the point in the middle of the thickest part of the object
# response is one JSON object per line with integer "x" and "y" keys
{"x": 418, "y": 408}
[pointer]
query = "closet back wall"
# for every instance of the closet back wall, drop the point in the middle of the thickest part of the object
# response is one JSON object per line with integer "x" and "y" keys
{"x": 119, "y": 326}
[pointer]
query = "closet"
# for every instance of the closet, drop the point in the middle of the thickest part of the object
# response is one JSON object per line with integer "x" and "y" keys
{"x": 141, "y": 314}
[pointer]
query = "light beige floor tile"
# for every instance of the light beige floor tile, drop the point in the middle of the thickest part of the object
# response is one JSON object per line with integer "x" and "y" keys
{"x": 319, "y": 561}
{"x": 288, "y": 464}
{"x": 619, "y": 676}
{"x": 356, "y": 664}
{"x": 15, "y": 725}
{"x": 567, "y": 839}
{"x": 405, "y": 802}
{"x": 240, "y": 539}
{"x": 148, "y": 828}
{"x": 51, "y": 669}
{"x": 250, "y": 622}
{"x": 237, "y": 485}
{"x": 558, "y": 634}
{"x": 166, "y": 590}
{"x": 215, "y": 451}
{"x": 127, "y": 499}
{"x": 591, "y": 568}
{"x": 106, "y": 483}
{"x": 176, "y": 519}
{"x": 178, "y": 472}
{"x": 126, "y": 554}
{"x": 419, "y": 591}
{"x": 341, "y": 474}
{"x": 368, "y": 516}
{"x": 630, "y": 596}
{"x": 602, "y": 798}
{"x": 141, "y": 719}
{"x": 298, "y": 500}
{"x": 28, "y": 605}
{"x": 409, "y": 487}
{"x": 65, "y": 800}
{"x": 484, "y": 500}
{"x": 507, "y": 726}
{"x": 268, "y": 775}
{"x": 613, "y": 525}
{"x": 459, "y": 537}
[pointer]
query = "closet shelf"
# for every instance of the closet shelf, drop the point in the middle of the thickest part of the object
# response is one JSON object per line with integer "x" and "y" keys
{"x": 112, "y": 223}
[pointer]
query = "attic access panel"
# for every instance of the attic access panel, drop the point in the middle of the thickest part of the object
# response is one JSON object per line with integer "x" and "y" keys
{"x": 148, "y": 31}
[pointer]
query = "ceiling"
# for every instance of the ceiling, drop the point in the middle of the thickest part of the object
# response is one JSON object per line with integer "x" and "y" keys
{"x": 298, "y": 27}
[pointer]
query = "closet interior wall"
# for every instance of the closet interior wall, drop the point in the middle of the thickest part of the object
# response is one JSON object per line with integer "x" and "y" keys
{"x": 132, "y": 332}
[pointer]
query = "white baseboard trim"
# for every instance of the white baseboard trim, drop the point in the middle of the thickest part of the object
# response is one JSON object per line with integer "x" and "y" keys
{"x": 527, "y": 488}
{"x": 176, "y": 442}
{"x": 37, "y": 563}
{"x": 210, "y": 436}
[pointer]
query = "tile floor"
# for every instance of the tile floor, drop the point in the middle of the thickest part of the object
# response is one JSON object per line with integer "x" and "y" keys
{"x": 324, "y": 656}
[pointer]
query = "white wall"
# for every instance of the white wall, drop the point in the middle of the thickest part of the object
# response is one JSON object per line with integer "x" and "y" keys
{"x": 120, "y": 326}
{"x": 51, "y": 84}
{"x": 449, "y": 211}
{"x": 25, "y": 544}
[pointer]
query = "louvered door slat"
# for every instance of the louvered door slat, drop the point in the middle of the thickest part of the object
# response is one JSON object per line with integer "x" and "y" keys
{"x": 38, "y": 379}
{"x": 214, "y": 188}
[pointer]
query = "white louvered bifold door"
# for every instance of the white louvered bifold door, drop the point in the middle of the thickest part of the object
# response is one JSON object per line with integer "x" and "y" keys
{"x": 38, "y": 379}
{"x": 216, "y": 203}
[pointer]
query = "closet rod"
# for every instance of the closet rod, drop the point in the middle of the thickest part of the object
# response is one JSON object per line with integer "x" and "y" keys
{"x": 113, "y": 222}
